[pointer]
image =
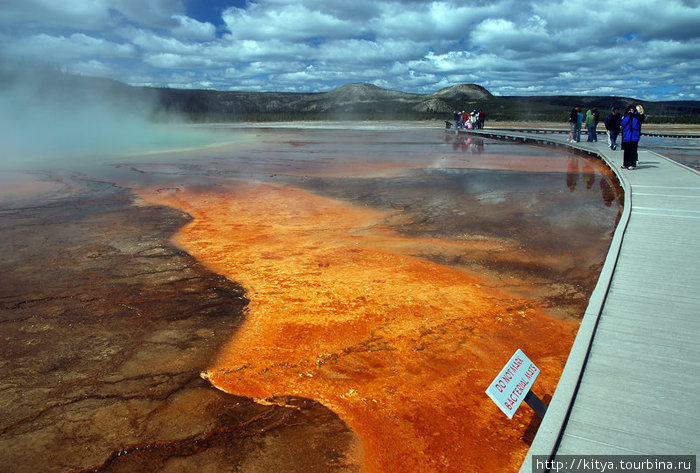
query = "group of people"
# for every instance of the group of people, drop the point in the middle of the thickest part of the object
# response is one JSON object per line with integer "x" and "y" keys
{"x": 474, "y": 119}
{"x": 576, "y": 120}
{"x": 628, "y": 127}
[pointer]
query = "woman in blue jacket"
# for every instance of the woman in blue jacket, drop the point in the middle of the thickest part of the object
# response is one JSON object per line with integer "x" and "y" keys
{"x": 631, "y": 127}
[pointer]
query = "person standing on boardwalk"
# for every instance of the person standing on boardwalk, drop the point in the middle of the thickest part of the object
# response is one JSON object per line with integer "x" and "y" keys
{"x": 580, "y": 117}
{"x": 575, "y": 124}
{"x": 631, "y": 128}
{"x": 596, "y": 119}
{"x": 590, "y": 125}
{"x": 612, "y": 124}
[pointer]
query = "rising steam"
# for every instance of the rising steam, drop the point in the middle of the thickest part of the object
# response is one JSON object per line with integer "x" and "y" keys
{"x": 50, "y": 118}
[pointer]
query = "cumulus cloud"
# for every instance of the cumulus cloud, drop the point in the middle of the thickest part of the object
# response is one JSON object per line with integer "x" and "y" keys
{"x": 66, "y": 48}
{"x": 290, "y": 22}
{"x": 191, "y": 29}
{"x": 509, "y": 46}
{"x": 45, "y": 13}
{"x": 95, "y": 14}
{"x": 151, "y": 13}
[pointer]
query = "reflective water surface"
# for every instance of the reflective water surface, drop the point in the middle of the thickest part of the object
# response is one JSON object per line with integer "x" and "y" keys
{"x": 683, "y": 150}
{"x": 374, "y": 282}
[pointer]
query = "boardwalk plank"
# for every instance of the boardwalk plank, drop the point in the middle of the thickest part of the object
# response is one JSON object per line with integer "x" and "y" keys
{"x": 638, "y": 435}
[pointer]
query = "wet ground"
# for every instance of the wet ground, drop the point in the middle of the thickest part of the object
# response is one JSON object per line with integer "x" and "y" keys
{"x": 364, "y": 286}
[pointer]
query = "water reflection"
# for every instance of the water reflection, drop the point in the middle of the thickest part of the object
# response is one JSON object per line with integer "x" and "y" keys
{"x": 448, "y": 187}
{"x": 572, "y": 173}
{"x": 683, "y": 150}
{"x": 465, "y": 143}
{"x": 582, "y": 169}
{"x": 587, "y": 173}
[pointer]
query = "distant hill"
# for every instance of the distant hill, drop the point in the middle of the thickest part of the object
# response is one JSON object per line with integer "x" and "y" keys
{"x": 369, "y": 102}
{"x": 351, "y": 101}
{"x": 355, "y": 101}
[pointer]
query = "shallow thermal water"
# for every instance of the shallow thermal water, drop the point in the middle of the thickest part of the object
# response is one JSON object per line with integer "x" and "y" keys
{"x": 683, "y": 150}
{"x": 388, "y": 274}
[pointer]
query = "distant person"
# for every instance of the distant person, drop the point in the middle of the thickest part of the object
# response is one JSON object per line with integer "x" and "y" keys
{"x": 482, "y": 119}
{"x": 457, "y": 119}
{"x": 590, "y": 126}
{"x": 631, "y": 128}
{"x": 572, "y": 123}
{"x": 575, "y": 125}
{"x": 580, "y": 117}
{"x": 596, "y": 115}
{"x": 592, "y": 119}
{"x": 612, "y": 125}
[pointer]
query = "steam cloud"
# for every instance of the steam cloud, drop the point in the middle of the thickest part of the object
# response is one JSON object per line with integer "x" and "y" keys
{"x": 48, "y": 118}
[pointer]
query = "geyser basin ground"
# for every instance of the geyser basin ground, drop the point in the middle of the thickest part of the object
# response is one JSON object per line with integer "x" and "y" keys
{"x": 389, "y": 274}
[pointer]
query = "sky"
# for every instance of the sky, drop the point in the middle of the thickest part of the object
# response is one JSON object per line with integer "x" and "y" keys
{"x": 646, "y": 49}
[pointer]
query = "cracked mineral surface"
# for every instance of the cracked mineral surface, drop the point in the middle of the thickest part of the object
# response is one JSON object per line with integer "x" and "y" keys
{"x": 350, "y": 292}
{"x": 104, "y": 329}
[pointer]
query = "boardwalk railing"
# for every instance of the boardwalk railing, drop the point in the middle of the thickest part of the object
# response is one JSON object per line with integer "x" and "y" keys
{"x": 561, "y": 131}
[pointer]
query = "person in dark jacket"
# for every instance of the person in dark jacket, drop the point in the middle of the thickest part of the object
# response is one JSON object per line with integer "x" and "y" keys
{"x": 596, "y": 120}
{"x": 612, "y": 124}
{"x": 482, "y": 119}
{"x": 631, "y": 128}
{"x": 575, "y": 124}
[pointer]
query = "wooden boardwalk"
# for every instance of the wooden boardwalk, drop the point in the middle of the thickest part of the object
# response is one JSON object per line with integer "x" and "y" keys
{"x": 563, "y": 131}
{"x": 631, "y": 384}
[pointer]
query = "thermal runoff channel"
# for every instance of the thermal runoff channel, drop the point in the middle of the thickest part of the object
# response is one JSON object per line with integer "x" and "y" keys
{"x": 392, "y": 273}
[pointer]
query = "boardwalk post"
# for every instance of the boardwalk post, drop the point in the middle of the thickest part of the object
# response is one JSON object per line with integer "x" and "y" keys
{"x": 536, "y": 404}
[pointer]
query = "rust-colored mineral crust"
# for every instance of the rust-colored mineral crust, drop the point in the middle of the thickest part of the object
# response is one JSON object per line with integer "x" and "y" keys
{"x": 340, "y": 312}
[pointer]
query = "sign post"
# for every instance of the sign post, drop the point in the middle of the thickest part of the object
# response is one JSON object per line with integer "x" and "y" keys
{"x": 512, "y": 386}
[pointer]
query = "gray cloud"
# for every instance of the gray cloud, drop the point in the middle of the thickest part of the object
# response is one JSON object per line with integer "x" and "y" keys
{"x": 511, "y": 47}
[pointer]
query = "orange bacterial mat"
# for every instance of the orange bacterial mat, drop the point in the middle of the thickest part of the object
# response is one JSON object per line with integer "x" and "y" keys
{"x": 400, "y": 348}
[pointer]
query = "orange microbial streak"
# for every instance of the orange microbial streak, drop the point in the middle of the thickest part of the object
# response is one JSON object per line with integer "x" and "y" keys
{"x": 401, "y": 348}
